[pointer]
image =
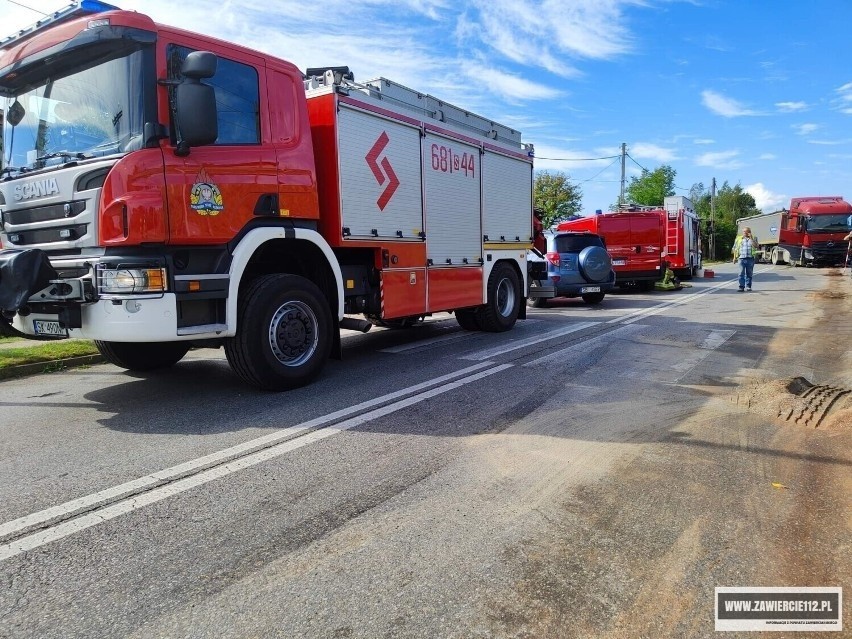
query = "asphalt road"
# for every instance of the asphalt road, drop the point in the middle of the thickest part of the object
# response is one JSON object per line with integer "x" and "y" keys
{"x": 594, "y": 472}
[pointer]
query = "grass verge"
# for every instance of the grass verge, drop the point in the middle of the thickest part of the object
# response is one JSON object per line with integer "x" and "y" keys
{"x": 45, "y": 352}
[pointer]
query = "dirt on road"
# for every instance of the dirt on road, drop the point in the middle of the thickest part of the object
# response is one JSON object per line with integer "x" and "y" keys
{"x": 750, "y": 490}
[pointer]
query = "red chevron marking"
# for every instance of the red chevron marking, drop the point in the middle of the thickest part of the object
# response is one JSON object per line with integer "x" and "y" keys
{"x": 373, "y": 156}
{"x": 385, "y": 197}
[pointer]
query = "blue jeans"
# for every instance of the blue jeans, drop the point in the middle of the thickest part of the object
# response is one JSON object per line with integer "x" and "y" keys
{"x": 746, "y": 270}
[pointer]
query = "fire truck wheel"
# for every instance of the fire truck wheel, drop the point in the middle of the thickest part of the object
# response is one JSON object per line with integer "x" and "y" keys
{"x": 284, "y": 334}
{"x": 142, "y": 356}
{"x": 504, "y": 300}
{"x": 468, "y": 319}
{"x": 593, "y": 298}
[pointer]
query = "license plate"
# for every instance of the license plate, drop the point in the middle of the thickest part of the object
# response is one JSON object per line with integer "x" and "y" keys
{"x": 49, "y": 327}
{"x": 619, "y": 262}
{"x": 590, "y": 289}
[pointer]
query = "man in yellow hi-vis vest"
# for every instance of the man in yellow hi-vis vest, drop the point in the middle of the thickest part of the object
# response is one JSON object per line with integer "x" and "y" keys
{"x": 744, "y": 249}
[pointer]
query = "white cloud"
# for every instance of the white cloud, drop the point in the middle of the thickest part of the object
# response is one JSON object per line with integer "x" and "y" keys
{"x": 845, "y": 99}
{"x": 725, "y": 160}
{"x": 651, "y": 152}
{"x": 805, "y": 129}
{"x": 791, "y": 107}
{"x": 765, "y": 199}
{"x": 768, "y": 156}
{"x": 551, "y": 33}
{"x": 512, "y": 88}
{"x": 724, "y": 106}
{"x": 838, "y": 142}
{"x": 704, "y": 141}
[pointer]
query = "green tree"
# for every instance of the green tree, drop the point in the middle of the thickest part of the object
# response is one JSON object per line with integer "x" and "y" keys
{"x": 652, "y": 187}
{"x": 733, "y": 203}
{"x": 556, "y": 197}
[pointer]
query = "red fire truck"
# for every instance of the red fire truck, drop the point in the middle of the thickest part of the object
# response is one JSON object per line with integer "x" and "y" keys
{"x": 641, "y": 239}
{"x": 162, "y": 189}
{"x": 682, "y": 236}
{"x": 634, "y": 239}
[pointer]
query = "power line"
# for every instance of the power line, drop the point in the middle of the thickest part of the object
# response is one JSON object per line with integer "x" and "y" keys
{"x": 608, "y": 157}
{"x": 637, "y": 164}
{"x": 617, "y": 157}
{"x": 26, "y": 7}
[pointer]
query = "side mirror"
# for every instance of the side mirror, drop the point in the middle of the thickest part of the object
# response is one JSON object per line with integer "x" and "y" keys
{"x": 195, "y": 103}
{"x": 199, "y": 65}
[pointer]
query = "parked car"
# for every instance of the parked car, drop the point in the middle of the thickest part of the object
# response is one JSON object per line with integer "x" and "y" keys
{"x": 576, "y": 264}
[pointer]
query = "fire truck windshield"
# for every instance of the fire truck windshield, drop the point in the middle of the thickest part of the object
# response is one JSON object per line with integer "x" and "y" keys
{"x": 829, "y": 223}
{"x": 88, "y": 112}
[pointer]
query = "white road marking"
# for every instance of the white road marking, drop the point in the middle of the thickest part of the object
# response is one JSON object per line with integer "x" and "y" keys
{"x": 588, "y": 344}
{"x": 69, "y": 508}
{"x": 659, "y": 308}
{"x": 522, "y": 343}
{"x": 715, "y": 339}
{"x": 61, "y": 530}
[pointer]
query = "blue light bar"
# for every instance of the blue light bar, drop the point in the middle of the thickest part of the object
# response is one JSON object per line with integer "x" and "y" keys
{"x": 73, "y": 10}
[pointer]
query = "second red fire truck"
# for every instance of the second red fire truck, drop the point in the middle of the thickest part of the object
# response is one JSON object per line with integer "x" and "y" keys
{"x": 642, "y": 239}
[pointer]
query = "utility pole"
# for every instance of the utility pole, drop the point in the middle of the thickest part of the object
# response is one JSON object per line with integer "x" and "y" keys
{"x": 712, "y": 239}
{"x": 623, "y": 158}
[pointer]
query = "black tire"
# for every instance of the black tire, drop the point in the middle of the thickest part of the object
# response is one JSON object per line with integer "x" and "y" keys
{"x": 142, "y": 356}
{"x": 504, "y": 300}
{"x": 284, "y": 333}
{"x": 468, "y": 319}
{"x": 593, "y": 298}
{"x": 536, "y": 302}
{"x": 595, "y": 264}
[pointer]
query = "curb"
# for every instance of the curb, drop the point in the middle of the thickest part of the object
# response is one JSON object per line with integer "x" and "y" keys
{"x": 48, "y": 366}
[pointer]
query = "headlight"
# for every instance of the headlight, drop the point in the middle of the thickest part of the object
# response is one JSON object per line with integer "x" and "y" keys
{"x": 132, "y": 280}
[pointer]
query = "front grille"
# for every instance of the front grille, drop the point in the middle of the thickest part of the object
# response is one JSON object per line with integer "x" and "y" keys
{"x": 45, "y": 213}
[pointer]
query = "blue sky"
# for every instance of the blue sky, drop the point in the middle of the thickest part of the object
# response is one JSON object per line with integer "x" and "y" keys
{"x": 757, "y": 93}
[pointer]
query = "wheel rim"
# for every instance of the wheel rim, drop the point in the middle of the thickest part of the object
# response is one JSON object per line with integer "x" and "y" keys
{"x": 293, "y": 333}
{"x": 505, "y": 297}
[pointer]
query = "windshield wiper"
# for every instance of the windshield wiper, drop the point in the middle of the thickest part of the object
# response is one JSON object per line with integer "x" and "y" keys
{"x": 63, "y": 154}
{"x": 13, "y": 169}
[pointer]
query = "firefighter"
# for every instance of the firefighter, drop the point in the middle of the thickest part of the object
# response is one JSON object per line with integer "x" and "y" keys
{"x": 670, "y": 281}
{"x": 744, "y": 250}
